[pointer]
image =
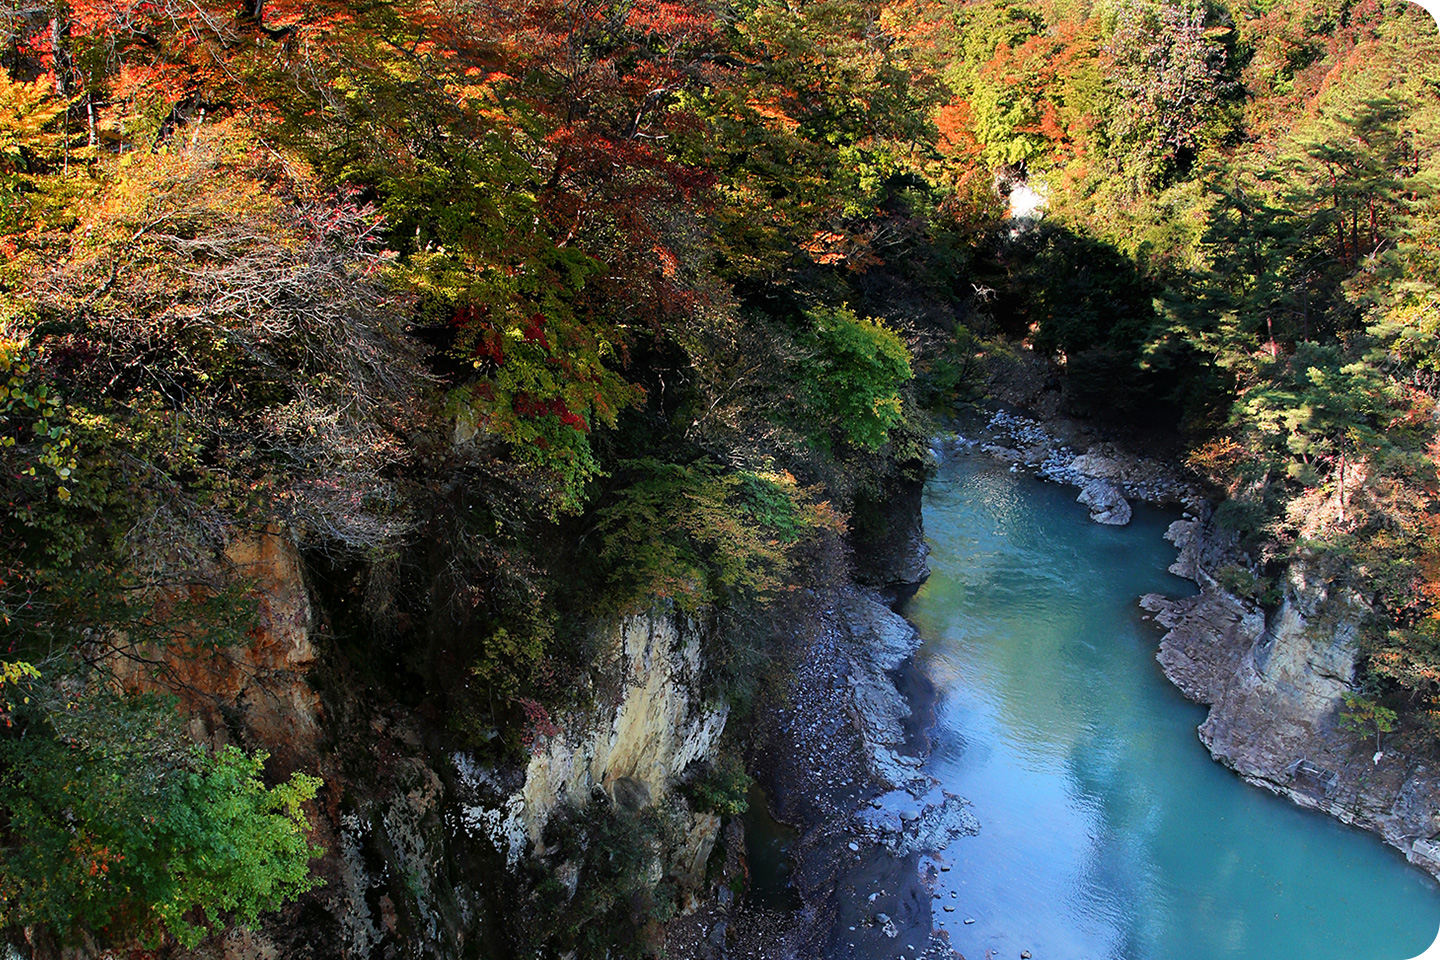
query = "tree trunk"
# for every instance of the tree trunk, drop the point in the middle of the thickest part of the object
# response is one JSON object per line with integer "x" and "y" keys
{"x": 1341, "y": 490}
{"x": 60, "y": 52}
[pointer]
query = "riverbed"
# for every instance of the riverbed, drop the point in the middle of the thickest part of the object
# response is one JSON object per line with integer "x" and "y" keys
{"x": 1107, "y": 830}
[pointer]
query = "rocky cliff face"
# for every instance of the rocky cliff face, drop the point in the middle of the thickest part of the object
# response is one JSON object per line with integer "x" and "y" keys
{"x": 890, "y": 535}
{"x": 634, "y": 745}
{"x": 452, "y": 830}
{"x": 422, "y": 842}
{"x": 254, "y": 693}
{"x": 1275, "y": 685}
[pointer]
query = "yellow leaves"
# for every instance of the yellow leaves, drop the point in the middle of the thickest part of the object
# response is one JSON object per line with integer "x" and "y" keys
{"x": 10, "y": 352}
{"x": 32, "y": 414}
{"x": 26, "y": 112}
{"x": 12, "y": 673}
{"x": 217, "y": 181}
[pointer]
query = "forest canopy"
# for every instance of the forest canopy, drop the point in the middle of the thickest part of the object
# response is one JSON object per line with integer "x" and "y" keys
{"x": 463, "y": 297}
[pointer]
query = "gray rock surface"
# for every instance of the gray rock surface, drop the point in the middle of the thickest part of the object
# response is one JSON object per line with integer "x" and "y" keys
{"x": 889, "y": 639}
{"x": 905, "y": 826}
{"x": 884, "y": 641}
{"x": 1046, "y": 447}
{"x": 1107, "y": 504}
{"x": 1275, "y": 685}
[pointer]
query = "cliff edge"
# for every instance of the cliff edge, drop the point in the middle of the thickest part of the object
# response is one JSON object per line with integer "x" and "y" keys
{"x": 1275, "y": 682}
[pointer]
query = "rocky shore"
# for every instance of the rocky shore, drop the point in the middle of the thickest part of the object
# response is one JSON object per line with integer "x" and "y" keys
{"x": 840, "y": 761}
{"x": 1275, "y": 678}
{"x": 1071, "y": 451}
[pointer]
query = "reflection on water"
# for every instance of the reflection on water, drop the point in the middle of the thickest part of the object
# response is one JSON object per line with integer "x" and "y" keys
{"x": 1107, "y": 831}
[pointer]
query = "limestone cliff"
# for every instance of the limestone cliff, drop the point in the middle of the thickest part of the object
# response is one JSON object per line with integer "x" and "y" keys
{"x": 633, "y": 744}
{"x": 1275, "y": 684}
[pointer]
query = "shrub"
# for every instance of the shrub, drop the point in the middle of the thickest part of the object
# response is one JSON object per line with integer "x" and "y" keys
{"x": 724, "y": 789}
{"x": 856, "y": 369}
{"x": 117, "y": 826}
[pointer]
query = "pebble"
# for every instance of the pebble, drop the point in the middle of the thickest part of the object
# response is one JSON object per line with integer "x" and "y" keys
{"x": 1024, "y": 955}
{"x": 950, "y": 909}
{"x": 854, "y": 846}
{"x": 969, "y": 920}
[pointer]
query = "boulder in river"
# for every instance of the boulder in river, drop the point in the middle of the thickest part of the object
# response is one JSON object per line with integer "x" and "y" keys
{"x": 1098, "y": 465}
{"x": 1107, "y": 504}
{"x": 905, "y": 827}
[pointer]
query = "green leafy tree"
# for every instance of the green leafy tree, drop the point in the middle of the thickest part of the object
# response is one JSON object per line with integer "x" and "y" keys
{"x": 853, "y": 378}
{"x": 1366, "y": 717}
{"x": 1317, "y": 415}
{"x": 696, "y": 533}
{"x": 115, "y": 825}
{"x": 724, "y": 789}
{"x": 1171, "y": 80}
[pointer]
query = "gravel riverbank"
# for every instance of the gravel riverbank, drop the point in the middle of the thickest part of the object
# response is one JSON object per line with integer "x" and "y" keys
{"x": 841, "y": 760}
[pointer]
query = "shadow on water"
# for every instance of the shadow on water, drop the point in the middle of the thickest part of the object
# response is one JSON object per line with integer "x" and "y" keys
{"x": 768, "y": 843}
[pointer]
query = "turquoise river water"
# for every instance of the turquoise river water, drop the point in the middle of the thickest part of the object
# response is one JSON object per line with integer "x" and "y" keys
{"x": 1107, "y": 832}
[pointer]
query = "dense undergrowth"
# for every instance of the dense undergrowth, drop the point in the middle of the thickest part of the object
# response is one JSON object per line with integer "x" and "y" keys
{"x": 517, "y": 317}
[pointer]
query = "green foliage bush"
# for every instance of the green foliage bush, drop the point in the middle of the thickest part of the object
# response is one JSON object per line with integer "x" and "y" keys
{"x": 697, "y": 533}
{"x": 724, "y": 789}
{"x": 1367, "y": 717}
{"x": 116, "y": 825}
{"x": 953, "y": 372}
{"x": 1242, "y": 582}
{"x": 853, "y": 378}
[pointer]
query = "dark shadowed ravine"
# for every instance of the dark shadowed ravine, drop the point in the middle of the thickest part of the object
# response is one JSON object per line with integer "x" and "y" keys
{"x": 1107, "y": 832}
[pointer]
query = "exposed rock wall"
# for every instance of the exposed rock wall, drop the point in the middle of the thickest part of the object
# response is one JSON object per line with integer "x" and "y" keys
{"x": 661, "y": 725}
{"x": 633, "y": 745}
{"x": 268, "y": 683}
{"x": 1275, "y": 685}
{"x": 256, "y": 691}
{"x": 891, "y": 536}
{"x": 417, "y": 839}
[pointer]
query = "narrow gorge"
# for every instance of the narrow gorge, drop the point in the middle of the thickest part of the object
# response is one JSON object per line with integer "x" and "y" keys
{"x": 624, "y": 479}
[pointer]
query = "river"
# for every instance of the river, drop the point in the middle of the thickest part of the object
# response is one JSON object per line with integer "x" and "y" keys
{"x": 1107, "y": 832}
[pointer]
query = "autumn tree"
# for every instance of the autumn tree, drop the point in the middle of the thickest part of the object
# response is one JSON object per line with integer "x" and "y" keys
{"x": 1171, "y": 82}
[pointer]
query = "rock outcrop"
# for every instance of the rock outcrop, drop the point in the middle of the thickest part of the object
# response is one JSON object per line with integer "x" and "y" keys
{"x": 884, "y": 641}
{"x": 417, "y": 840}
{"x": 891, "y": 536}
{"x": 1107, "y": 504}
{"x": 907, "y": 825}
{"x": 255, "y": 691}
{"x": 1275, "y": 685}
{"x": 634, "y": 745}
